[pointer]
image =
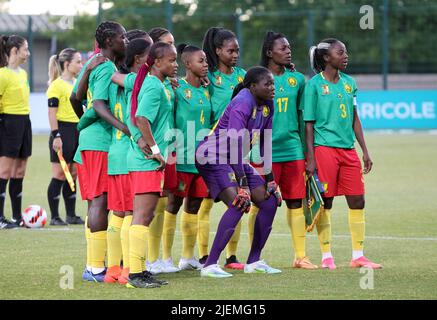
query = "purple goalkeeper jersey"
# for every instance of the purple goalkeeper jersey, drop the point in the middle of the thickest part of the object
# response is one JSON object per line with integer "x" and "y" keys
{"x": 241, "y": 125}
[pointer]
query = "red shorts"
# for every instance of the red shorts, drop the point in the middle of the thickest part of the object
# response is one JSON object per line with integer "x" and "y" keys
{"x": 190, "y": 184}
{"x": 146, "y": 181}
{"x": 290, "y": 177}
{"x": 120, "y": 197}
{"x": 340, "y": 171}
{"x": 93, "y": 174}
{"x": 170, "y": 176}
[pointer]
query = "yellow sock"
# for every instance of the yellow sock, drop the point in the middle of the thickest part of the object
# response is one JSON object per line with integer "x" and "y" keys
{"x": 357, "y": 228}
{"x": 88, "y": 243}
{"x": 251, "y": 223}
{"x": 189, "y": 234}
{"x": 324, "y": 230}
{"x": 155, "y": 231}
{"x": 203, "y": 226}
{"x": 98, "y": 249}
{"x": 168, "y": 234}
{"x": 231, "y": 248}
{"x": 124, "y": 237}
{"x": 296, "y": 222}
{"x": 114, "y": 242}
{"x": 137, "y": 248}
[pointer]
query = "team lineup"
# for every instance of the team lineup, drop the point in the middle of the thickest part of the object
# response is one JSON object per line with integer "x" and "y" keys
{"x": 143, "y": 144}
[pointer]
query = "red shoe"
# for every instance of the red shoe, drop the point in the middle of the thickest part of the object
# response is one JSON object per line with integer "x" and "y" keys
{"x": 233, "y": 263}
{"x": 328, "y": 263}
{"x": 363, "y": 262}
{"x": 122, "y": 279}
{"x": 112, "y": 274}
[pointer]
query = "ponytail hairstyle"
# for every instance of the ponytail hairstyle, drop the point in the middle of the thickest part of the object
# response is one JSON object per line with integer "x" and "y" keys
{"x": 213, "y": 39}
{"x": 269, "y": 40}
{"x": 157, "y": 51}
{"x": 253, "y": 75}
{"x": 157, "y": 33}
{"x": 57, "y": 63}
{"x": 106, "y": 30}
{"x": 185, "y": 49}
{"x": 318, "y": 52}
{"x": 6, "y": 45}
{"x": 136, "y": 34}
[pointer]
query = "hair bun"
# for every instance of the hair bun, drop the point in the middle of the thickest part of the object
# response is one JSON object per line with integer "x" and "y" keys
{"x": 181, "y": 47}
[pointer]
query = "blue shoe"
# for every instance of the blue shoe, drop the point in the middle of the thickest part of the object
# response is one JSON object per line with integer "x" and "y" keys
{"x": 89, "y": 276}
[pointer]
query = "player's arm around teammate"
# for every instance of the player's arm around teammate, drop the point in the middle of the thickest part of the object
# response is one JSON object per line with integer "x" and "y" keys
{"x": 332, "y": 123}
{"x": 222, "y": 51}
{"x": 287, "y": 152}
{"x": 15, "y": 126}
{"x": 234, "y": 181}
{"x": 150, "y": 103}
{"x": 193, "y": 111}
{"x": 63, "y": 70}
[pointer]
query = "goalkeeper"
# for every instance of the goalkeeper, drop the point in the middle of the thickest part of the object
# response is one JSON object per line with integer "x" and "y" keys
{"x": 220, "y": 161}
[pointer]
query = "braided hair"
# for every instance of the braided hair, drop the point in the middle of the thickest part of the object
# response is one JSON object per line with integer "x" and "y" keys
{"x": 157, "y": 33}
{"x": 106, "y": 30}
{"x": 135, "y": 34}
{"x": 269, "y": 40}
{"x": 213, "y": 39}
{"x": 183, "y": 49}
{"x": 317, "y": 53}
{"x": 157, "y": 51}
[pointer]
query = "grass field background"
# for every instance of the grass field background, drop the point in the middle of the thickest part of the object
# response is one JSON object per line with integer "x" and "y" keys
{"x": 401, "y": 228}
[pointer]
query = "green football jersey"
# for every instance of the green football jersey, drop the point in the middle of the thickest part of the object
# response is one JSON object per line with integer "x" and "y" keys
{"x": 117, "y": 161}
{"x": 171, "y": 118}
{"x": 286, "y": 142}
{"x": 154, "y": 104}
{"x": 331, "y": 107}
{"x": 193, "y": 114}
{"x": 128, "y": 83}
{"x": 221, "y": 88}
{"x": 97, "y": 136}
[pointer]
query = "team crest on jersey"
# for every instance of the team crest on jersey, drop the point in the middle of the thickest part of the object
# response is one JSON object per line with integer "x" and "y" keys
{"x": 168, "y": 94}
{"x": 325, "y": 88}
{"x": 254, "y": 113}
{"x": 231, "y": 176}
{"x": 187, "y": 94}
{"x": 218, "y": 80}
{"x": 266, "y": 111}
{"x": 347, "y": 88}
{"x": 240, "y": 79}
{"x": 292, "y": 82}
{"x": 206, "y": 94}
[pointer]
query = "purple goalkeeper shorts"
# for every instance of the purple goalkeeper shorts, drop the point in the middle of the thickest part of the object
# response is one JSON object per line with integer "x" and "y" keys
{"x": 219, "y": 177}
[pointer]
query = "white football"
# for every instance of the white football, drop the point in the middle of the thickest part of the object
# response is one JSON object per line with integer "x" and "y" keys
{"x": 34, "y": 216}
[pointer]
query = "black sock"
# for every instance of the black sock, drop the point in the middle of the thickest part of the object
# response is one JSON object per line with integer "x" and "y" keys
{"x": 69, "y": 199}
{"x": 3, "y": 183}
{"x": 16, "y": 195}
{"x": 53, "y": 196}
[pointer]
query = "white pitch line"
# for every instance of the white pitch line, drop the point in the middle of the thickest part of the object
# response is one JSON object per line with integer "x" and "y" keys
{"x": 276, "y": 235}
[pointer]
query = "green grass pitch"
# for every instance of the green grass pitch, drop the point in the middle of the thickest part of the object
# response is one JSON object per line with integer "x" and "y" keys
{"x": 401, "y": 234}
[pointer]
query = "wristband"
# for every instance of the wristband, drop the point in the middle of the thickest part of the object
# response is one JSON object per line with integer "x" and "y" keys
{"x": 155, "y": 149}
{"x": 242, "y": 182}
{"x": 269, "y": 177}
{"x": 55, "y": 134}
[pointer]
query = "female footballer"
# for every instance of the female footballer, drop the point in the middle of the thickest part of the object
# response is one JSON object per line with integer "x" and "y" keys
{"x": 332, "y": 124}
{"x": 15, "y": 126}
{"x": 222, "y": 52}
{"x": 193, "y": 112}
{"x": 220, "y": 159}
{"x": 287, "y": 151}
{"x": 150, "y": 111}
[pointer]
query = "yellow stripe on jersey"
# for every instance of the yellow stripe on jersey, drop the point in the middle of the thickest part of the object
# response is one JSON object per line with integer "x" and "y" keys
{"x": 61, "y": 90}
{"x": 14, "y": 91}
